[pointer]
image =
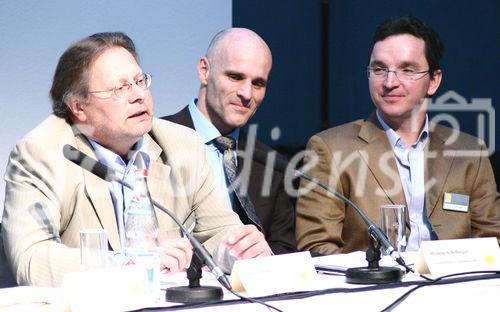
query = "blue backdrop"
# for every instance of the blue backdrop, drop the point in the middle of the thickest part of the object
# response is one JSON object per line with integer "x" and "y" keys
{"x": 294, "y": 30}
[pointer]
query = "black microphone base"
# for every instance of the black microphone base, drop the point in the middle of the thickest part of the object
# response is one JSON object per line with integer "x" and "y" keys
{"x": 380, "y": 275}
{"x": 186, "y": 294}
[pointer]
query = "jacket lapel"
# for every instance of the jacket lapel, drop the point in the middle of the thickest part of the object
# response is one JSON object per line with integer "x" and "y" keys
{"x": 437, "y": 167}
{"x": 158, "y": 177}
{"x": 378, "y": 147}
{"x": 98, "y": 193}
{"x": 242, "y": 143}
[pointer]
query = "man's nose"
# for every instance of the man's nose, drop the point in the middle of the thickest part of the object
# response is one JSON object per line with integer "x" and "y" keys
{"x": 136, "y": 93}
{"x": 245, "y": 90}
{"x": 391, "y": 80}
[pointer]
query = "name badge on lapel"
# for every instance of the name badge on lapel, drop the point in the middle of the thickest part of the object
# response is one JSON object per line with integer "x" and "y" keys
{"x": 456, "y": 202}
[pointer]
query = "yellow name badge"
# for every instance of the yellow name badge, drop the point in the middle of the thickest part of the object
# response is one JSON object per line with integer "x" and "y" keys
{"x": 456, "y": 202}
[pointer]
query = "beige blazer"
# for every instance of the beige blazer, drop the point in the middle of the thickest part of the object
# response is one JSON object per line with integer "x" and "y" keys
{"x": 356, "y": 159}
{"x": 49, "y": 199}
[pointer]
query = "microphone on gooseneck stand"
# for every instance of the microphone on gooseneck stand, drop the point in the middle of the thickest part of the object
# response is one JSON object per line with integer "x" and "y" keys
{"x": 373, "y": 273}
{"x": 106, "y": 173}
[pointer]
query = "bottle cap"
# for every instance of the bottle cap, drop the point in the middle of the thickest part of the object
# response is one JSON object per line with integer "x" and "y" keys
{"x": 143, "y": 172}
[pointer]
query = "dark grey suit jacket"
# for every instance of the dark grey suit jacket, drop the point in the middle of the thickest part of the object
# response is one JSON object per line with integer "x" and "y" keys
{"x": 276, "y": 210}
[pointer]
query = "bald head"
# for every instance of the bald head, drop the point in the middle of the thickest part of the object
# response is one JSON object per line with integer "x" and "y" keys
{"x": 236, "y": 38}
{"x": 233, "y": 75}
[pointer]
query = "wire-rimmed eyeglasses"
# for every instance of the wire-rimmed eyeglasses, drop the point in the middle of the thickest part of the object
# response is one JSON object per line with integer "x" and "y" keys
{"x": 143, "y": 82}
{"x": 405, "y": 74}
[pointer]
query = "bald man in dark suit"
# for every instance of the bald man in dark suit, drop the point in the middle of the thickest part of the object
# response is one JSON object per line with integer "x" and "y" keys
{"x": 233, "y": 76}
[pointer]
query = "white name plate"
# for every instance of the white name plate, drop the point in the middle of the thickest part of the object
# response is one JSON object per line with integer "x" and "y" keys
{"x": 109, "y": 289}
{"x": 442, "y": 257}
{"x": 273, "y": 275}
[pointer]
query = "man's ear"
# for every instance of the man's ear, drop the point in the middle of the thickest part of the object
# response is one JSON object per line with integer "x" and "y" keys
{"x": 203, "y": 70}
{"x": 436, "y": 77}
{"x": 76, "y": 106}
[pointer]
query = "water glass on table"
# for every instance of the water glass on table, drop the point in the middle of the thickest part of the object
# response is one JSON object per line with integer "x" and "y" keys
{"x": 392, "y": 223}
{"x": 94, "y": 249}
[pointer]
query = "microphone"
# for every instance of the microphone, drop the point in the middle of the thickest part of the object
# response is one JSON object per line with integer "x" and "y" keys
{"x": 90, "y": 164}
{"x": 373, "y": 230}
{"x": 104, "y": 172}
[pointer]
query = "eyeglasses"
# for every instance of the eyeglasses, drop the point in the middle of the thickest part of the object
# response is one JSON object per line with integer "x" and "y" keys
{"x": 143, "y": 82}
{"x": 406, "y": 74}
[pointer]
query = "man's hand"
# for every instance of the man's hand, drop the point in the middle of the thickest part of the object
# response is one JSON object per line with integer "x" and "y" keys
{"x": 246, "y": 242}
{"x": 175, "y": 255}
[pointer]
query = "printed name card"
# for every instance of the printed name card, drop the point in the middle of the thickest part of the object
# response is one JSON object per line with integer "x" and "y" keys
{"x": 444, "y": 257}
{"x": 109, "y": 289}
{"x": 273, "y": 275}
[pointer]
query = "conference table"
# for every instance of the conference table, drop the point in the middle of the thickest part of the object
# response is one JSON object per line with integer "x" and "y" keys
{"x": 473, "y": 292}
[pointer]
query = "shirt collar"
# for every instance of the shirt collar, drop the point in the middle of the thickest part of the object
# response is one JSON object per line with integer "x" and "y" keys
{"x": 395, "y": 139}
{"x": 114, "y": 161}
{"x": 205, "y": 128}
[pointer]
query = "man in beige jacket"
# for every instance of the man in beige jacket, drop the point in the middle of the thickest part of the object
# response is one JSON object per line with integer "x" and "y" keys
{"x": 102, "y": 106}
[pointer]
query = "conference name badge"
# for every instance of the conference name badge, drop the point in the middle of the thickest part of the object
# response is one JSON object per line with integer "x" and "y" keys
{"x": 456, "y": 202}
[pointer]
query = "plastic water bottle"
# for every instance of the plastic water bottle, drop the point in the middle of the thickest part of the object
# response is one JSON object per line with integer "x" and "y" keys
{"x": 141, "y": 231}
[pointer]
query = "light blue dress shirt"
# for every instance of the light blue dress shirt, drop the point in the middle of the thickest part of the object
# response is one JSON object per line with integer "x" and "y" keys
{"x": 208, "y": 133}
{"x": 411, "y": 164}
{"x": 120, "y": 194}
